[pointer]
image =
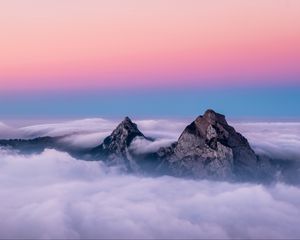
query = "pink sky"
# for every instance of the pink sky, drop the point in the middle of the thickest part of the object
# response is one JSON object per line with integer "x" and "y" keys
{"x": 86, "y": 44}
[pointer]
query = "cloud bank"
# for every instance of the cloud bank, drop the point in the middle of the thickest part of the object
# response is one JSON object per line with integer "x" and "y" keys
{"x": 274, "y": 139}
{"x": 52, "y": 195}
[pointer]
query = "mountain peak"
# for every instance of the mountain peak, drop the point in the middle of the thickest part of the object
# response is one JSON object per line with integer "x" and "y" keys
{"x": 213, "y": 117}
{"x": 211, "y": 144}
{"x": 124, "y": 133}
{"x": 115, "y": 147}
{"x": 209, "y": 111}
{"x": 126, "y": 128}
{"x": 127, "y": 120}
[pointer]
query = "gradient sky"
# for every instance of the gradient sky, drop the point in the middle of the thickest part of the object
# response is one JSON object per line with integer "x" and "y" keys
{"x": 78, "y": 48}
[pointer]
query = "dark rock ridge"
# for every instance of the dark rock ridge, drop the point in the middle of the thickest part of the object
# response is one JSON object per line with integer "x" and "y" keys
{"x": 28, "y": 146}
{"x": 39, "y": 144}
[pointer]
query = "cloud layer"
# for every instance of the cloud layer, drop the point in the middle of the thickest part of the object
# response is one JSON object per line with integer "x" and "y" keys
{"x": 52, "y": 195}
{"x": 275, "y": 139}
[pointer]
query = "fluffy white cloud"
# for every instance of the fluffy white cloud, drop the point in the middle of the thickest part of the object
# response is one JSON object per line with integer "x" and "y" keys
{"x": 52, "y": 195}
{"x": 169, "y": 129}
{"x": 275, "y": 139}
{"x": 141, "y": 145}
{"x": 7, "y": 131}
{"x": 69, "y": 127}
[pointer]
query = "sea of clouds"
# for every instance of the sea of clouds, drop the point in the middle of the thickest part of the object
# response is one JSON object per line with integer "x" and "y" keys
{"x": 52, "y": 195}
{"x": 274, "y": 139}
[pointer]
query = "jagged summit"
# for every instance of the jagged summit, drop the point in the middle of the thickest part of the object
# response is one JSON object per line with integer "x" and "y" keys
{"x": 127, "y": 120}
{"x": 124, "y": 133}
{"x": 202, "y": 122}
{"x": 210, "y": 147}
{"x": 212, "y": 117}
{"x": 115, "y": 147}
{"x": 128, "y": 128}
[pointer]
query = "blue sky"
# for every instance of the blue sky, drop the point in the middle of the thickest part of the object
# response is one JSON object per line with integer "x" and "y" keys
{"x": 277, "y": 102}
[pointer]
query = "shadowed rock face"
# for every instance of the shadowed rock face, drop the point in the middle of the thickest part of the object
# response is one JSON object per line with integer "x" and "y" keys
{"x": 210, "y": 148}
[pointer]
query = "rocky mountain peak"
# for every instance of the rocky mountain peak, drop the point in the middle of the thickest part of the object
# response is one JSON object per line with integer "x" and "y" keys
{"x": 205, "y": 126}
{"x": 212, "y": 117}
{"x": 127, "y": 120}
{"x": 128, "y": 127}
{"x": 209, "y": 146}
{"x": 124, "y": 133}
{"x": 115, "y": 147}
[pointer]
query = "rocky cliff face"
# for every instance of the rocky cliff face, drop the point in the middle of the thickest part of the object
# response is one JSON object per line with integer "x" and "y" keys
{"x": 115, "y": 148}
{"x": 210, "y": 148}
